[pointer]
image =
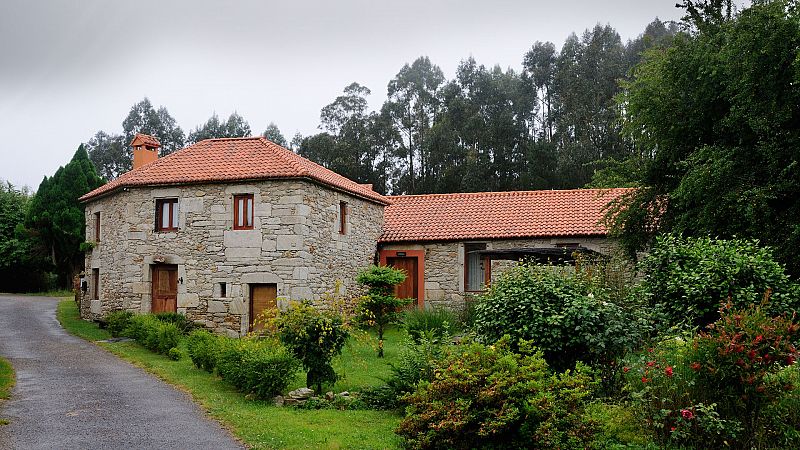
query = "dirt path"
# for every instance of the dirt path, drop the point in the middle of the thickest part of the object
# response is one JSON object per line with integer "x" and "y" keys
{"x": 71, "y": 394}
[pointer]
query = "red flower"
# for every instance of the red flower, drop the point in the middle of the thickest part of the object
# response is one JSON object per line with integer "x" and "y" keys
{"x": 672, "y": 429}
{"x": 626, "y": 369}
{"x": 759, "y": 338}
{"x": 790, "y": 360}
{"x": 668, "y": 371}
{"x": 645, "y": 380}
{"x": 696, "y": 366}
{"x": 651, "y": 363}
{"x": 687, "y": 414}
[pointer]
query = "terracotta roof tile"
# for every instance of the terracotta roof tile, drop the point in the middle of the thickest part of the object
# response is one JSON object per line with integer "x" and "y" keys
{"x": 497, "y": 215}
{"x": 234, "y": 159}
{"x": 146, "y": 140}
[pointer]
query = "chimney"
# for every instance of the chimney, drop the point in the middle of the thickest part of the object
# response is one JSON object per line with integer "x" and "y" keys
{"x": 145, "y": 149}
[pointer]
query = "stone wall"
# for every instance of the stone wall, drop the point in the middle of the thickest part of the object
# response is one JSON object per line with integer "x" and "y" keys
{"x": 444, "y": 263}
{"x": 295, "y": 243}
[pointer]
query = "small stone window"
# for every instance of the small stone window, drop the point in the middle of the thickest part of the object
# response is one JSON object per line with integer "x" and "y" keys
{"x": 243, "y": 212}
{"x": 167, "y": 214}
{"x": 223, "y": 290}
{"x": 342, "y": 217}
{"x": 97, "y": 227}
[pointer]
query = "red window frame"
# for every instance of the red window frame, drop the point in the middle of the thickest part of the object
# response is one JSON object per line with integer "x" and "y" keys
{"x": 243, "y": 220}
{"x": 172, "y": 220}
{"x": 342, "y": 217}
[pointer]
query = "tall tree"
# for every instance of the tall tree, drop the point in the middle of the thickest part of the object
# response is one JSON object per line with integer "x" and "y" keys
{"x": 234, "y": 127}
{"x": 719, "y": 111}
{"x": 143, "y": 118}
{"x": 412, "y": 105}
{"x": 20, "y": 268}
{"x": 109, "y": 154}
{"x": 273, "y": 133}
{"x": 57, "y": 218}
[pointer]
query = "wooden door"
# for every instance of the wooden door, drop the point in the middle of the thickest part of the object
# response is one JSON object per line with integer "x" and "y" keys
{"x": 410, "y": 287}
{"x": 165, "y": 289}
{"x": 262, "y": 298}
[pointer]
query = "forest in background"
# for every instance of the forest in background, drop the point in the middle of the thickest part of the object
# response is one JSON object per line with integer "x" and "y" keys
{"x": 551, "y": 126}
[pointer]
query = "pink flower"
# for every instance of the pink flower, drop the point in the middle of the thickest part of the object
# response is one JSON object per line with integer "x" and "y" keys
{"x": 668, "y": 371}
{"x": 687, "y": 414}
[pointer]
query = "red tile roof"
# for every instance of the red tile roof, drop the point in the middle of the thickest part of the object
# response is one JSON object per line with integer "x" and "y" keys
{"x": 234, "y": 159}
{"x": 497, "y": 215}
{"x": 146, "y": 140}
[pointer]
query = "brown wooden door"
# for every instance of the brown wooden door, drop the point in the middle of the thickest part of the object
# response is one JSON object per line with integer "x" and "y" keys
{"x": 165, "y": 289}
{"x": 410, "y": 287}
{"x": 262, "y": 298}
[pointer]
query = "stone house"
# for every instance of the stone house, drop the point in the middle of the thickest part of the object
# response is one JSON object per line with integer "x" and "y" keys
{"x": 226, "y": 228}
{"x": 452, "y": 245}
{"x": 221, "y": 230}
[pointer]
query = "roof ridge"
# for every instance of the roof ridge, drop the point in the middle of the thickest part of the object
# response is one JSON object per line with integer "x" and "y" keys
{"x": 288, "y": 156}
{"x": 505, "y": 193}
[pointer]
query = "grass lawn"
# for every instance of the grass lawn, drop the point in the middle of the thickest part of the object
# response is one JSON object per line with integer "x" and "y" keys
{"x": 259, "y": 424}
{"x": 6, "y": 383}
{"x": 6, "y": 379}
{"x": 55, "y": 293}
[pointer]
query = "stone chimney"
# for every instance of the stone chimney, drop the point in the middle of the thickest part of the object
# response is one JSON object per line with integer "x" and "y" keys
{"x": 145, "y": 149}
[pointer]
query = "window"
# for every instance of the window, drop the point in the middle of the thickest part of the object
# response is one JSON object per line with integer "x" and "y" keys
{"x": 223, "y": 290}
{"x": 95, "y": 284}
{"x": 477, "y": 270}
{"x": 97, "y": 227}
{"x": 243, "y": 212}
{"x": 167, "y": 214}
{"x": 342, "y": 217}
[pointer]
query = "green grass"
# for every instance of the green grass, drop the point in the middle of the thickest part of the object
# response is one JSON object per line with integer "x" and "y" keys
{"x": 6, "y": 379}
{"x": 259, "y": 424}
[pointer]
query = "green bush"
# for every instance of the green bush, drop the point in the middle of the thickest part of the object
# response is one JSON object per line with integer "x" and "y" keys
{"x": 490, "y": 397}
{"x": 689, "y": 278}
{"x": 202, "y": 347}
{"x": 416, "y": 362}
{"x": 153, "y": 334}
{"x": 314, "y": 337}
{"x": 174, "y": 354}
{"x": 184, "y": 325}
{"x": 262, "y": 367}
{"x": 118, "y": 321}
{"x": 437, "y": 323}
{"x": 562, "y": 311}
{"x": 725, "y": 387}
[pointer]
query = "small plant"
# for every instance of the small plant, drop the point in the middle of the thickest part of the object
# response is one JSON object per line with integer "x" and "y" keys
{"x": 314, "y": 337}
{"x": 380, "y": 307}
{"x": 118, "y": 321}
{"x": 87, "y": 246}
{"x": 490, "y": 397}
{"x": 153, "y": 334}
{"x": 184, "y": 325}
{"x": 174, "y": 354}
{"x": 203, "y": 347}
{"x": 261, "y": 367}
{"x": 438, "y": 323}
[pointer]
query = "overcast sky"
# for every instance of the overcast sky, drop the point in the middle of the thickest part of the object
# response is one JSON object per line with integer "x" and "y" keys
{"x": 69, "y": 68}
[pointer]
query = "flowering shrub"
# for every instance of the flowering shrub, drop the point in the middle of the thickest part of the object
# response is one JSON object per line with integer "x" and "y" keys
{"x": 711, "y": 391}
{"x": 490, "y": 397}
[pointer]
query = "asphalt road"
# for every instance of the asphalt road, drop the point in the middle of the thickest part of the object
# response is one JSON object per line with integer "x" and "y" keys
{"x": 71, "y": 394}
